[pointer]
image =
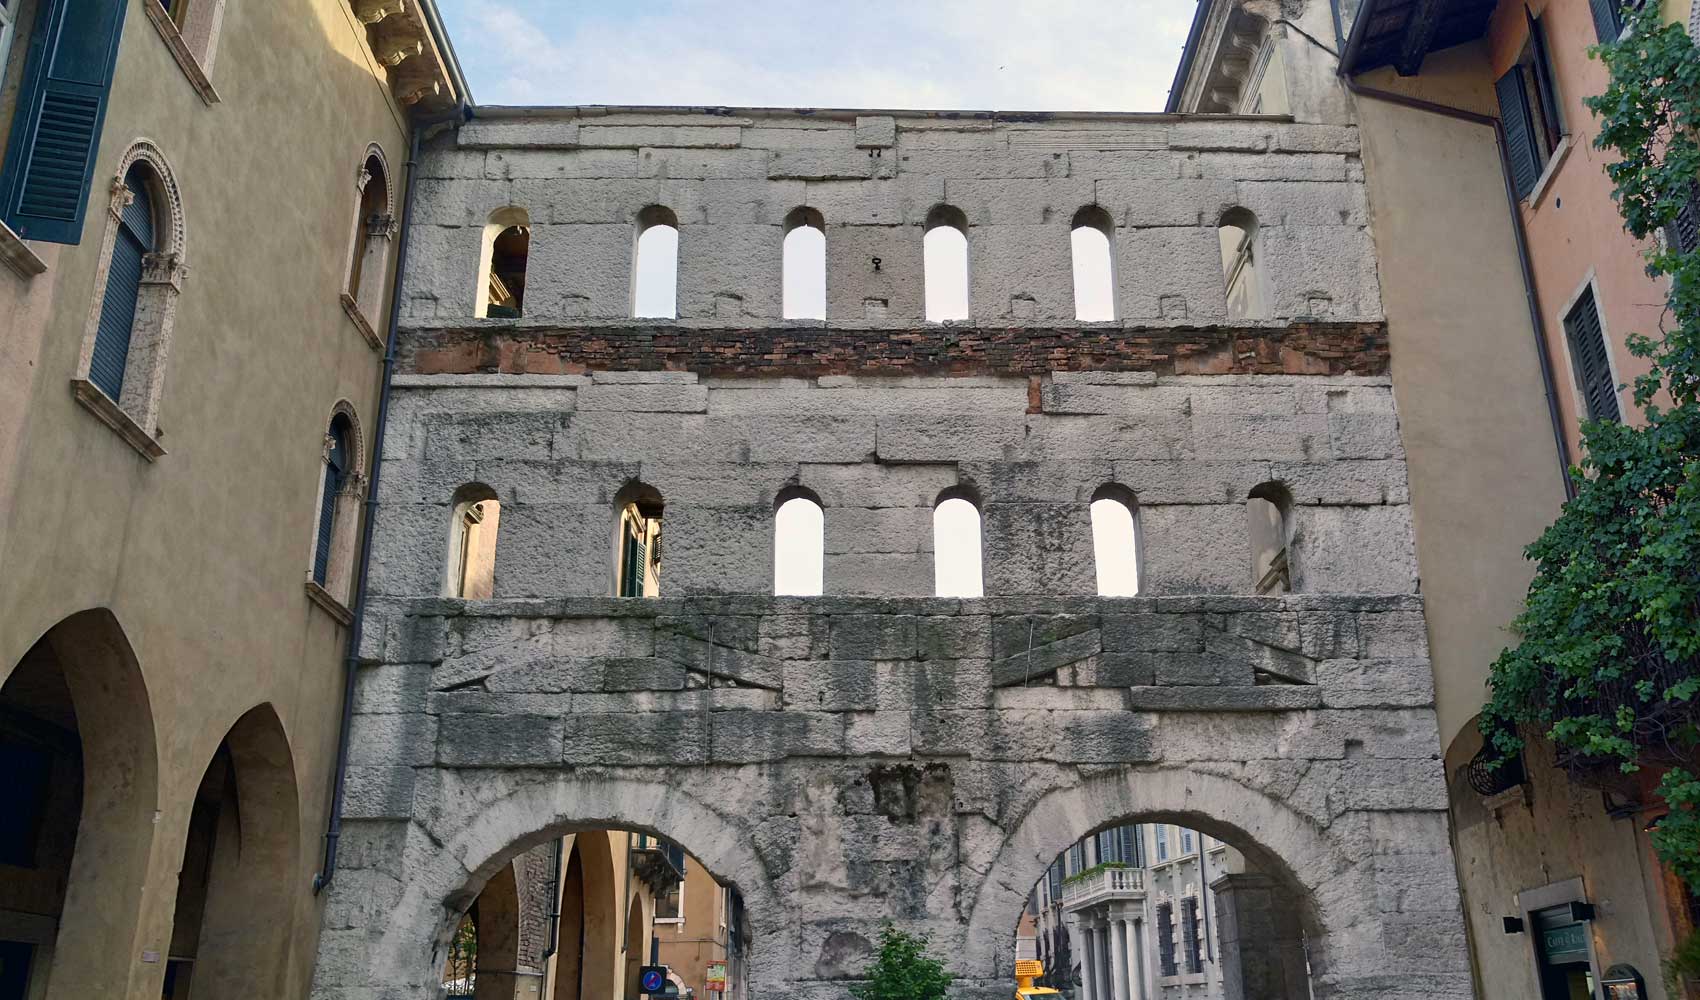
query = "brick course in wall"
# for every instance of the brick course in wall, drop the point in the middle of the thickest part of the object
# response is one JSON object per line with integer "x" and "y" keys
{"x": 1299, "y": 348}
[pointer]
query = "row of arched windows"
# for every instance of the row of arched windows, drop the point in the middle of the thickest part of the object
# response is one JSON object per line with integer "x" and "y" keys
{"x": 945, "y": 262}
{"x": 799, "y": 542}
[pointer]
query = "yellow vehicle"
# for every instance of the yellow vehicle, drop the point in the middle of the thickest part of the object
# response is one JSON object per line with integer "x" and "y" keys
{"x": 1027, "y": 970}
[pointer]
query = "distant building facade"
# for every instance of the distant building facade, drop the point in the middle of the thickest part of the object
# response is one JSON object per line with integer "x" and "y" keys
{"x": 1130, "y": 914}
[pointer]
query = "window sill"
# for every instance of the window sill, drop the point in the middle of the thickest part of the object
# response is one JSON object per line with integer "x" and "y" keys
{"x": 333, "y": 607}
{"x": 18, "y": 255}
{"x": 179, "y": 48}
{"x": 112, "y": 415}
{"x": 361, "y": 323}
{"x": 1554, "y": 161}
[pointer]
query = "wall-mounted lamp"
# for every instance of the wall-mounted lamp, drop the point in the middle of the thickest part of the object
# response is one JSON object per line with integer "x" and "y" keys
{"x": 876, "y": 263}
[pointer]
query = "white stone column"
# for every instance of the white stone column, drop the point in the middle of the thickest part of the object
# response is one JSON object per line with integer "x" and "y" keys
{"x": 1118, "y": 957}
{"x": 1107, "y": 963}
{"x": 1136, "y": 960}
{"x": 1088, "y": 961}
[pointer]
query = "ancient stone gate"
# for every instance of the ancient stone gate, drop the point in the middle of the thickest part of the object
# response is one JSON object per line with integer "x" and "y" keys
{"x": 877, "y": 753}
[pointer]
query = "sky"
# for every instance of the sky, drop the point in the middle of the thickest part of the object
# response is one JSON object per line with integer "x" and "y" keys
{"x": 1006, "y": 55}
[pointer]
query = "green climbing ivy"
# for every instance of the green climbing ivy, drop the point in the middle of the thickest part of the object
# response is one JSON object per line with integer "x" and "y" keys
{"x": 903, "y": 970}
{"x": 1607, "y": 662}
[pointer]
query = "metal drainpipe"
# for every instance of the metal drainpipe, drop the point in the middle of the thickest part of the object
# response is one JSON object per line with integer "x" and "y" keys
{"x": 351, "y": 662}
{"x": 1514, "y": 204}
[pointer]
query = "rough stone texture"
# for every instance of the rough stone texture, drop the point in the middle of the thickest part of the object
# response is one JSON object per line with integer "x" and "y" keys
{"x": 877, "y": 753}
{"x": 878, "y": 452}
{"x": 846, "y": 761}
{"x": 583, "y": 179}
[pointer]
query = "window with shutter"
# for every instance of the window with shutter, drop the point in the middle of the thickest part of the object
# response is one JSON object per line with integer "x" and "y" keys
{"x": 336, "y": 471}
{"x": 1608, "y": 19}
{"x": 1190, "y": 936}
{"x": 1166, "y": 939}
{"x": 1127, "y": 844}
{"x": 61, "y": 109}
{"x": 1520, "y": 152}
{"x": 1683, "y": 233}
{"x": 1056, "y": 881}
{"x": 1588, "y": 355}
{"x": 135, "y": 240}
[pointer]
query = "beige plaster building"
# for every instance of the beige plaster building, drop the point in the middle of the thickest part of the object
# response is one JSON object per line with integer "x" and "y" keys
{"x": 707, "y": 936}
{"x": 1509, "y": 286}
{"x": 199, "y": 208}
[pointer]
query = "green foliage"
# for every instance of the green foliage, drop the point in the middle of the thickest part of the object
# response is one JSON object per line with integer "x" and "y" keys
{"x": 1607, "y": 665}
{"x": 1094, "y": 870}
{"x": 903, "y": 970}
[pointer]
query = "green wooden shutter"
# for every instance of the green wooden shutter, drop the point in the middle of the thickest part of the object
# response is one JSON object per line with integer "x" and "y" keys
{"x": 1520, "y": 152}
{"x": 1683, "y": 232}
{"x": 61, "y": 108}
{"x": 1608, "y": 19}
{"x": 336, "y": 471}
{"x": 133, "y": 242}
{"x": 1588, "y": 353}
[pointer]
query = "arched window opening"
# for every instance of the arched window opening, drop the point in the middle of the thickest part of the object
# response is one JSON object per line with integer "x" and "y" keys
{"x": 127, "y": 340}
{"x": 337, "y": 465}
{"x": 506, "y": 248}
{"x": 637, "y": 541}
{"x": 374, "y": 228}
{"x": 1269, "y": 524}
{"x": 1115, "y": 541}
{"x": 805, "y": 265}
{"x": 956, "y": 547}
{"x": 1093, "y": 241}
{"x": 340, "y": 488}
{"x": 1241, "y": 270}
{"x": 799, "y": 545}
{"x": 944, "y": 251}
{"x": 655, "y": 265}
{"x": 473, "y": 530}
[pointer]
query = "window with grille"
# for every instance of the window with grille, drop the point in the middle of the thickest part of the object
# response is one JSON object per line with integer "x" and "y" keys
{"x": 1590, "y": 358}
{"x": 1190, "y": 934}
{"x": 1166, "y": 939}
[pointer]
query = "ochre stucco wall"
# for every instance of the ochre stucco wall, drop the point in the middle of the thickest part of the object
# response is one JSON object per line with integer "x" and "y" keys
{"x": 1484, "y": 468}
{"x": 1573, "y": 223}
{"x": 202, "y": 555}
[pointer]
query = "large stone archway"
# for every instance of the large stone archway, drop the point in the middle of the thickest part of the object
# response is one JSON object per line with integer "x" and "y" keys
{"x": 1339, "y": 876}
{"x": 928, "y": 792}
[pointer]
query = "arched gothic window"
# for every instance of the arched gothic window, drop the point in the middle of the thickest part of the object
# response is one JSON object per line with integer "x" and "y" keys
{"x": 140, "y": 273}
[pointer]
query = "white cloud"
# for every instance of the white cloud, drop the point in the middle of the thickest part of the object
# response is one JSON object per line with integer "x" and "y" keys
{"x": 1062, "y": 55}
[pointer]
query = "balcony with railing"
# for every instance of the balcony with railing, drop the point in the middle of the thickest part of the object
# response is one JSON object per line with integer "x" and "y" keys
{"x": 659, "y": 864}
{"x": 1103, "y": 886}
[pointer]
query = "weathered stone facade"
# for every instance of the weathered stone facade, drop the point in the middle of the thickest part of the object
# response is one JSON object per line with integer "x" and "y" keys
{"x": 877, "y": 753}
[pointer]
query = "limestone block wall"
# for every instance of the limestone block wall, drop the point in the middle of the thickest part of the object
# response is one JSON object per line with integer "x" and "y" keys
{"x": 731, "y": 177}
{"x": 878, "y": 753}
{"x": 845, "y": 761}
{"x": 878, "y": 452}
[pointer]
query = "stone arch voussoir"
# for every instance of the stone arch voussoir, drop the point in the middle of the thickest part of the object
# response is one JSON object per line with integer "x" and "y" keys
{"x": 450, "y": 862}
{"x": 1281, "y": 841}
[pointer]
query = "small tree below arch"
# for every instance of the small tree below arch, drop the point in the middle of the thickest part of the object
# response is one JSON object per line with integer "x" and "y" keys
{"x": 903, "y": 970}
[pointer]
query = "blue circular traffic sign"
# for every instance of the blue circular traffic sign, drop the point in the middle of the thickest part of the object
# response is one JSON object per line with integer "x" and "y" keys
{"x": 651, "y": 980}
